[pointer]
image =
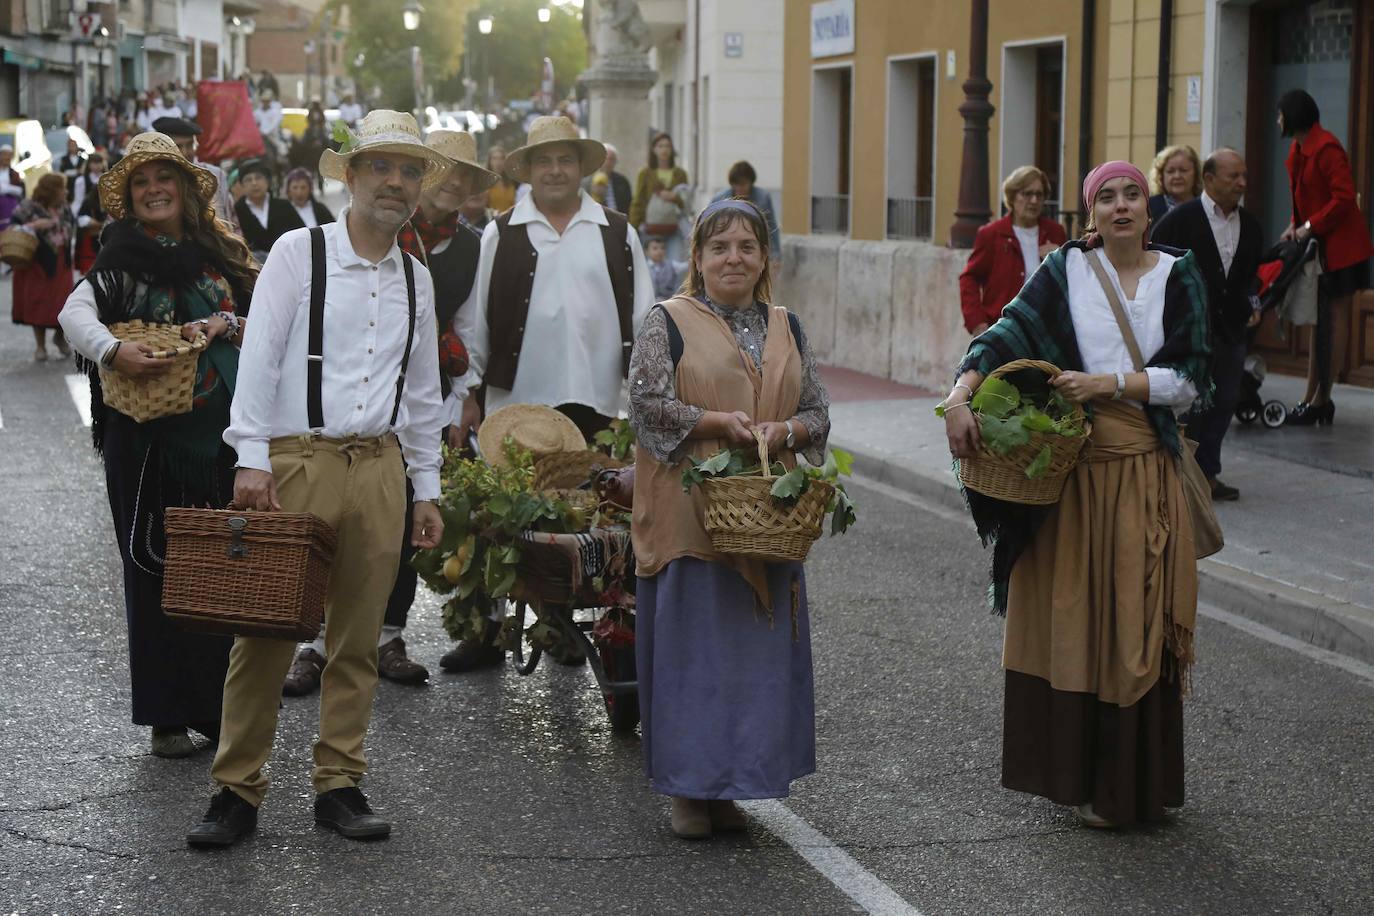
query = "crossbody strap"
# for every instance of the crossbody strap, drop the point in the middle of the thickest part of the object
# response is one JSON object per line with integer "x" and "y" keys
{"x": 1094, "y": 258}
{"x": 314, "y": 369}
{"x": 410, "y": 335}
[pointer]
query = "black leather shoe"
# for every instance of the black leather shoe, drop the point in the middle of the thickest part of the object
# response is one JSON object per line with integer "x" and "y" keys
{"x": 1309, "y": 415}
{"x": 229, "y": 820}
{"x": 347, "y": 812}
{"x": 1222, "y": 492}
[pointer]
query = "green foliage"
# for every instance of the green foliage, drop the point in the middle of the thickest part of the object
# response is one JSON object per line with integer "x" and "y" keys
{"x": 512, "y": 55}
{"x": 995, "y": 398}
{"x": 618, "y": 441}
{"x": 376, "y": 30}
{"x": 1037, "y": 468}
{"x": 789, "y": 485}
{"x": 1007, "y": 417}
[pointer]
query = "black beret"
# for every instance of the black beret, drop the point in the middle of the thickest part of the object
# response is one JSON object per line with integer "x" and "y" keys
{"x": 177, "y": 127}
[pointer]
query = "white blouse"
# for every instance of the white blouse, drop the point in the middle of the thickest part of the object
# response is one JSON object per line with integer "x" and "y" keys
{"x": 1099, "y": 337}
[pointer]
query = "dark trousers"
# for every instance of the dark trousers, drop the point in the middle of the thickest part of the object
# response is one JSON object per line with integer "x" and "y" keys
{"x": 588, "y": 421}
{"x": 1228, "y": 364}
{"x": 403, "y": 592}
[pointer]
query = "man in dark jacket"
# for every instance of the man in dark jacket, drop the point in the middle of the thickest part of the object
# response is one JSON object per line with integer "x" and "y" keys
{"x": 1227, "y": 242}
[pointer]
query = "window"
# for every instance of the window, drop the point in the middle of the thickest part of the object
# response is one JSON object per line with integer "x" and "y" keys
{"x": 1032, "y": 113}
{"x": 831, "y": 92}
{"x": 911, "y": 148}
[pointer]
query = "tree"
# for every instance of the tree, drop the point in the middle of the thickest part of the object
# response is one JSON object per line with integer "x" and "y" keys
{"x": 377, "y": 32}
{"x": 512, "y": 55}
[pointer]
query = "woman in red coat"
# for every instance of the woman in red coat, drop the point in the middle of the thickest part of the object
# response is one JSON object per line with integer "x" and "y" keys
{"x": 1007, "y": 251}
{"x": 1324, "y": 205}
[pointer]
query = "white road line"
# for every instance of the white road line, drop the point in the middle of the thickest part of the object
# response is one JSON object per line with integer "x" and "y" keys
{"x": 1353, "y": 666}
{"x": 79, "y": 387}
{"x": 835, "y": 865}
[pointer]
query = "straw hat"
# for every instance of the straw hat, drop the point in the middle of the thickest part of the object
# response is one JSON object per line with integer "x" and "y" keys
{"x": 385, "y": 131}
{"x": 150, "y": 147}
{"x": 554, "y": 129}
{"x": 460, "y": 147}
{"x": 541, "y": 430}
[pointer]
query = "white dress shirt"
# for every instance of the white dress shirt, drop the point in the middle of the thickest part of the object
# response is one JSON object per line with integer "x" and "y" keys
{"x": 571, "y": 353}
{"x": 1099, "y": 337}
{"x": 365, "y": 317}
{"x": 1225, "y": 229}
{"x": 1029, "y": 239}
{"x": 13, "y": 190}
{"x": 307, "y": 215}
{"x": 349, "y": 112}
{"x": 268, "y": 119}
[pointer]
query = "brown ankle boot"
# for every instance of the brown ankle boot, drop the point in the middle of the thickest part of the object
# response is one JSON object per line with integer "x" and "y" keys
{"x": 726, "y": 816}
{"x": 691, "y": 818}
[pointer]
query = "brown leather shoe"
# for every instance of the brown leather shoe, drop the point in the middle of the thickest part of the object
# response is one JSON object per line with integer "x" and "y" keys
{"x": 726, "y": 816}
{"x": 304, "y": 676}
{"x": 394, "y": 665}
{"x": 691, "y": 818}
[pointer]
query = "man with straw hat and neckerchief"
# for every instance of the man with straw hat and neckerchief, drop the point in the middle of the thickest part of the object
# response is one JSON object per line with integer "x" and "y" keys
{"x": 449, "y": 248}
{"x": 572, "y": 272}
{"x": 339, "y": 377}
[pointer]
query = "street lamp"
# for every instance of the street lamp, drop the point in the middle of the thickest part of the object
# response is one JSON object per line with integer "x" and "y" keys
{"x": 410, "y": 18}
{"x": 484, "y": 25}
{"x": 410, "y": 15}
{"x": 100, "y": 40}
{"x": 545, "y": 14}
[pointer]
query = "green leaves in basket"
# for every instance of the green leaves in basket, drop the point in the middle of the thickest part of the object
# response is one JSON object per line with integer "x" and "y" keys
{"x": 1038, "y": 468}
{"x": 995, "y": 398}
{"x": 842, "y": 511}
{"x": 1003, "y": 435}
{"x": 790, "y": 486}
{"x": 724, "y": 463}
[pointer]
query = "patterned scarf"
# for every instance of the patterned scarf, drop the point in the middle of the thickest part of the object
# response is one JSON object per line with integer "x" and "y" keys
{"x": 1037, "y": 325}
{"x": 419, "y": 236}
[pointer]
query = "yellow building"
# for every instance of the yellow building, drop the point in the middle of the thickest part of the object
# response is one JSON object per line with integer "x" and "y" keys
{"x": 874, "y": 140}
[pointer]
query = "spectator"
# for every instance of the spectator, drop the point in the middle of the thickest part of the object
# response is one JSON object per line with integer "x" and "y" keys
{"x": 1323, "y": 194}
{"x": 1007, "y": 251}
{"x": 502, "y": 194}
{"x": 300, "y": 194}
{"x": 666, "y": 274}
{"x": 11, "y": 185}
{"x": 475, "y": 213}
{"x": 660, "y": 200}
{"x": 743, "y": 184}
{"x": 617, "y": 193}
{"x": 264, "y": 218}
{"x": 350, "y": 112}
{"x": 90, "y": 213}
{"x": 1175, "y": 178}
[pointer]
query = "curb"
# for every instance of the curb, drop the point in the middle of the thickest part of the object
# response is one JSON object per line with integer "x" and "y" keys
{"x": 1319, "y": 620}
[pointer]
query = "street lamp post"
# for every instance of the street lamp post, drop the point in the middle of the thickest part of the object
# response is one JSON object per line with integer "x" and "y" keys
{"x": 101, "y": 39}
{"x": 410, "y": 18}
{"x": 484, "y": 26}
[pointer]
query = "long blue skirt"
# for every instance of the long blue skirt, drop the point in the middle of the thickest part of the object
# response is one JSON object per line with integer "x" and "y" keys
{"x": 726, "y": 701}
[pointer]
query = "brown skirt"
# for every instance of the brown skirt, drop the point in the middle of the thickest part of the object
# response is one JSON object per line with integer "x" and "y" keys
{"x": 1072, "y": 748}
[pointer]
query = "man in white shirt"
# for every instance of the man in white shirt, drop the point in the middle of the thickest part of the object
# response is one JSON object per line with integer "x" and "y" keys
{"x": 159, "y": 107}
{"x": 341, "y": 379}
{"x": 562, "y": 287}
{"x": 268, "y": 115}
{"x": 350, "y": 111}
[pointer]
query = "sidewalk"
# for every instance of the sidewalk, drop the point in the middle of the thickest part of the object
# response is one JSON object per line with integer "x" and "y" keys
{"x": 1297, "y": 555}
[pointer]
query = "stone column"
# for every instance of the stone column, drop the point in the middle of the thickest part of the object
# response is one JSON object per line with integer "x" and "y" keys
{"x": 619, "y": 78}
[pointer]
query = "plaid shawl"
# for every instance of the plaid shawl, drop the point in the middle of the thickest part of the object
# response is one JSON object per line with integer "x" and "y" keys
{"x": 1037, "y": 325}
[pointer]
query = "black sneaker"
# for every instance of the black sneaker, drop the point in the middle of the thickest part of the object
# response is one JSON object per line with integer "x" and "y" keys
{"x": 347, "y": 812}
{"x": 1222, "y": 493}
{"x": 229, "y": 820}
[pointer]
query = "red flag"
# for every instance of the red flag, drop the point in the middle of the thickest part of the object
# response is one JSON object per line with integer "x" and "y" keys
{"x": 225, "y": 114}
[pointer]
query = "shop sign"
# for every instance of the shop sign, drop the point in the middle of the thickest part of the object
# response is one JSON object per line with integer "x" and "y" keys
{"x": 832, "y": 28}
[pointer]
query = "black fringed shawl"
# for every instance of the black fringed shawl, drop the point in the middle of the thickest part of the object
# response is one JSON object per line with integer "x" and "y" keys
{"x": 1037, "y": 325}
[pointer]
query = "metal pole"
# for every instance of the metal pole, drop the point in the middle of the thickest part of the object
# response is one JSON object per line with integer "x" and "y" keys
{"x": 1166, "y": 41}
{"x": 973, "y": 207}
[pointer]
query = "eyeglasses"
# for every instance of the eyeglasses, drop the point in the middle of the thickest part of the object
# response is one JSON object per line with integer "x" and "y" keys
{"x": 382, "y": 168}
{"x": 1031, "y": 195}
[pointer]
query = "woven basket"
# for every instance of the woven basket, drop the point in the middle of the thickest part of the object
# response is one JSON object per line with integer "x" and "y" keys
{"x": 165, "y": 395}
{"x": 569, "y": 470}
{"x": 258, "y": 574}
{"x": 17, "y": 247}
{"x": 743, "y": 518}
{"x": 1004, "y": 476}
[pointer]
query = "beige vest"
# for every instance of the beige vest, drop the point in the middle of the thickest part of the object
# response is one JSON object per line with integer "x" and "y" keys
{"x": 713, "y": 373}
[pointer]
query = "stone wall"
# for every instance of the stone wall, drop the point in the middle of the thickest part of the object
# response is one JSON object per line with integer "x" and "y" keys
{"x": 889, "y": 309}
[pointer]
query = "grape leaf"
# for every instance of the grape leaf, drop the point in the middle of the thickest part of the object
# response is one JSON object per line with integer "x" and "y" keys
{"x": 1034, "y": 419}
{"x": 844, "y": 462}
{"x": 843, "y": 513}
{"x": 790, "y": 485}
{"x": 1038, "y": 468}
{"x": 995, "y": 398}
{"x": 1003, "y": 436}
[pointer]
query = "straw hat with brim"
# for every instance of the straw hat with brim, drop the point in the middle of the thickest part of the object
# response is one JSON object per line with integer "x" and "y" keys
{"x": 384, "y": 131}
{"x": 460, "y": 148}
{"x": 549, "y": 129}
{"x": 150, "y": 147}
{"x": 541, "y": 430}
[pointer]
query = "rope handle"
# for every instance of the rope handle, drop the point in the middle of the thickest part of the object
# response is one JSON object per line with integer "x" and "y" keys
{"x": 763, "y": 454}
{"x": 199, "y": 343}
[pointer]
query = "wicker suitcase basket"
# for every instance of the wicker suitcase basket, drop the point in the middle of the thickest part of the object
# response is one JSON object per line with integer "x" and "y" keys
{"x": 18, "y": 247}
{"x": 570, "y": 470}
{"x": 165, "y": 395}
{"x": 247, "y": 573}
{"x": 743, "y": 518}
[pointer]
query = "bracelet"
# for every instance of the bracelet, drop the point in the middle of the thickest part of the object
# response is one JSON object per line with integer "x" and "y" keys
{"x": 1120, "y": 386}
{"x": 958, "y": 385}
{"x": 231, "y": 319}
{"x": 108, "y": 359}
{"x": 949, "y": 407}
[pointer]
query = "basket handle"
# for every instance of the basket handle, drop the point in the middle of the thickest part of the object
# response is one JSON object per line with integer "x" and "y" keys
{"x": 763, "y": 454}
{"x": 1016, "y": 365}
{"x": 198, "y": 343}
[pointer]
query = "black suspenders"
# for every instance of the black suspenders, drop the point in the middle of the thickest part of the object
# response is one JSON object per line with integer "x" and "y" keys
{"x": 314, "y": 370}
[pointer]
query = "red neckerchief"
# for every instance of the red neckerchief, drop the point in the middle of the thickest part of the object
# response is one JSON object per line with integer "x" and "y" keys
{"x": 420, "y": 237}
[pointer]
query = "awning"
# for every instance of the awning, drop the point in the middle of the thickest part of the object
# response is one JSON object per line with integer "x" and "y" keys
{"x": 27, "y": 61}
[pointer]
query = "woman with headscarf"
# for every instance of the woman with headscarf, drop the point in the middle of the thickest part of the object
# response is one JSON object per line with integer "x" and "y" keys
{"x": 263, "y": 218}
{"x": 1100, "y": 589}
{"x": 42, "y": 286}
{"x": 1325, "y": 206}
{"x": 723, "y": 644}
{"x": 165, "y": 259}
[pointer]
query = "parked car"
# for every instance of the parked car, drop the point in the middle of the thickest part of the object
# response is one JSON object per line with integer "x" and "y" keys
{"x": 293, "y": 120}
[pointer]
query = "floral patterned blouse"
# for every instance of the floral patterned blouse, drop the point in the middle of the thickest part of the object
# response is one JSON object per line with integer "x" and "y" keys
{"x": 663, "y": 423}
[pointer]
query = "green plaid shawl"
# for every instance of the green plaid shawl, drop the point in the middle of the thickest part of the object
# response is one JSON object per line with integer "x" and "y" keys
{"x": 1037, "y": 325}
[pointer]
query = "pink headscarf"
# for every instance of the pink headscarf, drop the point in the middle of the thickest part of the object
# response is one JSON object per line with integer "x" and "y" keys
{"x": 1117, "y": 168}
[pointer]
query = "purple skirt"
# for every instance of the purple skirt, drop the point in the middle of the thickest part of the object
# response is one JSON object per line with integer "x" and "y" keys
{"x": 726, "y": 700}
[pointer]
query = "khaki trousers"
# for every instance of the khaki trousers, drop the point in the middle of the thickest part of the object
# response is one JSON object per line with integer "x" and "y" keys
{"x": 358, "y": 487}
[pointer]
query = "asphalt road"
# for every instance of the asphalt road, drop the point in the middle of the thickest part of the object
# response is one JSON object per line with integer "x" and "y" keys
{"x": 510, "y": 795}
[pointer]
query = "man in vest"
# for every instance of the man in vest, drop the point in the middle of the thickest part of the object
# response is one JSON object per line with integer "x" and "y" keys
{"x": 342, "y": 379}
{"x": 561, "y": 289}
{"x": 436, "y": 236}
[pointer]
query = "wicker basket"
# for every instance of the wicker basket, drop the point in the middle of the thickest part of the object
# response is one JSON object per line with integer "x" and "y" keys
{"x": 17, "y": 247}
{"x": 247, "y": 573}
{"x": 1004, "y": 476}
{"x": 164, "y": 395}
{"x": 743, "y": 518}
{"x": 569, "y": 470}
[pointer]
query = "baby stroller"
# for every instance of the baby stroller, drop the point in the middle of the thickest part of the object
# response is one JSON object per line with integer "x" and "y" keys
{"x": 1251, "y": 406}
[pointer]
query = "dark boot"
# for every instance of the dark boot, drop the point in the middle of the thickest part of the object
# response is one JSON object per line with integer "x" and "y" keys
{"x": 229, "y": 820}
{"x": 471, "y": 654}
{"x": 347, "y": 812}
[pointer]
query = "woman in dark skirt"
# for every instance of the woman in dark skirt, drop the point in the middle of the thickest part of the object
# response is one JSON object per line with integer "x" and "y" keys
{"x": 1100, "y": 590}
{"x": 42, "y": 286}
{"x": 723, "y": 646}
{"x": 164, "y": 259}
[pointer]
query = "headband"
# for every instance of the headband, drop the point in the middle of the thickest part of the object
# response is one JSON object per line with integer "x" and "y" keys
{"x": 731, "y": 203}
{"x": 1104, "y": 173}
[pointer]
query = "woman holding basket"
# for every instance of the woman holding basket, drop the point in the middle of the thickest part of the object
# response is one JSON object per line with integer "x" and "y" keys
{"x": 1100, "y": 590}
{"x": 723, "y": 645}
{"x": 164, "y": 260}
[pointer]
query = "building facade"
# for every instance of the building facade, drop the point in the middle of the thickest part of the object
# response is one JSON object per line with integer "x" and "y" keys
{"x": 302, "y": 44}
{"x": 874, "y": 140}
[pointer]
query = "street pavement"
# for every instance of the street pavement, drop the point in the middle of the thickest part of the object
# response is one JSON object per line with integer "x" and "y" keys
{"x": 510, "y": 795}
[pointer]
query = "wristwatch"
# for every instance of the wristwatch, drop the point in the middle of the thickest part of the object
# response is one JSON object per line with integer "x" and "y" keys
{"x": 791, "y": 440}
